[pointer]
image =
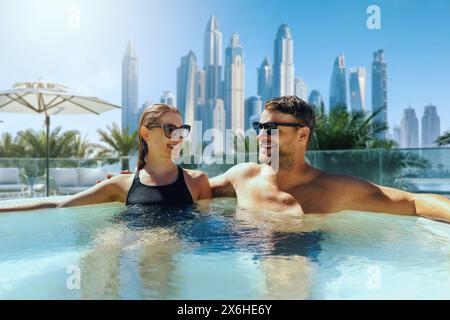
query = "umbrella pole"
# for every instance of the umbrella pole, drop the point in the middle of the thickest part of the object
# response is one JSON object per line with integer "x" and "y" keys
{"x": 47, "y": 175}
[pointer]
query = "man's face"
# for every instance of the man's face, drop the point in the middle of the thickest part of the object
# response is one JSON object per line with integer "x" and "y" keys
{"x": 284, "y": 141}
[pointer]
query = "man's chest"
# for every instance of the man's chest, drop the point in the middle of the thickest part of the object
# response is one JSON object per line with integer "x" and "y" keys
{"x": 261, "y": 193}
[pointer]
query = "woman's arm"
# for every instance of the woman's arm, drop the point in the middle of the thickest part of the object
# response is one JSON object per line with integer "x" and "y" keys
{"x": 105, "y": 191}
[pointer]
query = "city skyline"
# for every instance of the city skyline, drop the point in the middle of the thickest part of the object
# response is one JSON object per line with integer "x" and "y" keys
{"x": 92, "y": 66}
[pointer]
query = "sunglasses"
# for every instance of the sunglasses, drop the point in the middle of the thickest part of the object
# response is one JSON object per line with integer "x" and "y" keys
{"x": 172, "y": 131}
{"x": 269, "y": 126}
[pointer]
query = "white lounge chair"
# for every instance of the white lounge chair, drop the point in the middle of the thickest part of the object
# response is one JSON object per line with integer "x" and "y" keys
{"x": 74, "y": 180}
{"x": 10, "y": 181}
{"x": 87, "y": 177}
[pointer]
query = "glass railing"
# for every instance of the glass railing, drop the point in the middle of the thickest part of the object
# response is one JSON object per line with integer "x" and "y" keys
{"x": 416, "y": 170}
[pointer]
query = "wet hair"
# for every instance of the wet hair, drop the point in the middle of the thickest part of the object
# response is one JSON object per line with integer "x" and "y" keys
{"x": 150, "y": 115}
{"x": 295, "y": 106}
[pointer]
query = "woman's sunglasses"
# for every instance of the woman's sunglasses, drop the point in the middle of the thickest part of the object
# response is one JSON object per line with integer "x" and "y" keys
{"x": 172, "y": 131}
{"x": 269, "y": 126}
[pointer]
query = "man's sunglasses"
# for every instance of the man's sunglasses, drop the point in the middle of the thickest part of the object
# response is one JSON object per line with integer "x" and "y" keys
{"x": 172, "y": 131}
{"x": 269, "y": 126}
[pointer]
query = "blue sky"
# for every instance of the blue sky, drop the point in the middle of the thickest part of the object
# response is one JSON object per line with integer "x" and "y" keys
{"x": 37, "y": 40}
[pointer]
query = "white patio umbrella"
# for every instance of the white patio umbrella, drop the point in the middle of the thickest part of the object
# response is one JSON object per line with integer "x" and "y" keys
{"x": 49, "y": 99}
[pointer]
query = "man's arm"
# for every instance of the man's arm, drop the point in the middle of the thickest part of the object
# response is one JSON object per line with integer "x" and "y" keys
{"x": 366, "y": 196}
{"x": 221, "y": 186}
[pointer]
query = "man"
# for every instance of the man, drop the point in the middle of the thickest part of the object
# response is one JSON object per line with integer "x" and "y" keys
{"x": 297, "y": 187}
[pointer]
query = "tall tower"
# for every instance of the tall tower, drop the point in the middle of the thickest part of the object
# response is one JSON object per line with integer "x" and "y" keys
{"x": 186, "y": 85}
{"x": 338, "y": 85}
{"x": 357, "y": 83}
{"x": 379, "y": 89}
{"x": 283, "y": 65}
{"x": 409, "y": 129}
{"x": 212, "y": 55}
{"x": 253, "y": 109}
{"x": 130, "y": 89}
{"x": 168, "y": 98}
{"x": 431, "y": 127}
{"x": 301, "y": 89}
{"x": 315, "y": 100}
{"x": 234, "y": 84}
{"x": 265, "y": 80}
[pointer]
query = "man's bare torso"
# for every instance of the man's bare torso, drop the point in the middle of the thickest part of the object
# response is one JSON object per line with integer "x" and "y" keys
{"x": 254, "y": 189}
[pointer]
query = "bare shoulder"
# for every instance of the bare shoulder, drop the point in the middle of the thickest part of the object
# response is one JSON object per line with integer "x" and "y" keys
{"x": 195, "y": 175}
{"x": 341, "y": 183}
{"x": 244, "y": 170}
{"x": 352, "y": 187}
{"x": 121, "y": 181}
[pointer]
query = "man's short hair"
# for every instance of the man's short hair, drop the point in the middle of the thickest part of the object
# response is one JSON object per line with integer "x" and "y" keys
{"x": 295, "y": 106}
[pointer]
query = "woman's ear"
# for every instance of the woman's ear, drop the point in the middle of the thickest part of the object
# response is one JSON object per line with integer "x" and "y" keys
{"x": 144, "y": 133}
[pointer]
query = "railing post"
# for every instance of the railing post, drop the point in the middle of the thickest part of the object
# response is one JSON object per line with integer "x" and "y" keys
{"x": 380, "y": 166}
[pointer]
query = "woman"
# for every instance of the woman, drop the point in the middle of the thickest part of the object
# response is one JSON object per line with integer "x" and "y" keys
{"x": 157, "y": 180}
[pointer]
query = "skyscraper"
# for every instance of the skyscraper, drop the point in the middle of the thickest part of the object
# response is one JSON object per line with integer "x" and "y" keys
{"x": 200, "y": 94}
{"x": 168, "y": 98}
{"x": 130, "y": 89}
{"x": 265, "y": 80}
{"x": 234, "y": 84}
{"x": 379, "y": 89}
{"x": 357, "y": 83}
{"x": 396, "y": 135}
{"x": 212, "y": 55}
{"x": 218, "y": 116}
{"x": 338, "y": 86}
{"x": 409, "y": 129}
{"x": 283, "y": 64}
{"x": 300, "y": 88}
{"x": 253, "y": 109}
{"x": 431, "y": 127}
{"x": 315, "y": 99}
{"x": 186, "y": 85}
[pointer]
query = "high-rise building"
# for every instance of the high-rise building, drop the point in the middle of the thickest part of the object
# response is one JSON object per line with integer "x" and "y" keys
{"x": 338, "y": 85}
{"x": 379, "y": 90}
{"x": 234, "y": 84}
{"x": 265, "y": 80}
{"x": 130, "y": 89}
{"x": 300, "y": 88}
{"x": 396, "y": 135}
{"x": 218, "y": 116}
{"x": 409, "y": 130}
{"x": 283, "y": 64}
{"x": 253, "y": 109}
{"x": 200, "y": 94}
{"x": 212, "y": 56}
{"x": 431, "y": 127}
{"x": 168, "y": 98}
{"x": 315, "y": 100}
{"x": 186, "y": 85}
{"x": 357, "y": 84}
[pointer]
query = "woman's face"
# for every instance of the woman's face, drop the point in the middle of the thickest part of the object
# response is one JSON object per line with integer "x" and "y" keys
{"x": 157, "y": 141}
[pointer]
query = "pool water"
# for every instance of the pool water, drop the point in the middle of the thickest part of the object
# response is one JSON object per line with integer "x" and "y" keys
{"x": 214, "y": 251}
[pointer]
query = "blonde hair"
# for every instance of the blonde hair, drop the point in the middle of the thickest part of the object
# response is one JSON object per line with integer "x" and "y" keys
{"x": 150, "y": 115}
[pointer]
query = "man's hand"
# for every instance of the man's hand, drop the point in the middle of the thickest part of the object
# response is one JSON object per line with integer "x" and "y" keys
{"x": 109, "y": 176}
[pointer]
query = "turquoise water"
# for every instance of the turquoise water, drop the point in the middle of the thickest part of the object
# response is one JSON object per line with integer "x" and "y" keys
{"x": 217, "y": 252}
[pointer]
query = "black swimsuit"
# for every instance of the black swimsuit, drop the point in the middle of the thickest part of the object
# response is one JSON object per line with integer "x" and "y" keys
{"x": 174, "y": 193}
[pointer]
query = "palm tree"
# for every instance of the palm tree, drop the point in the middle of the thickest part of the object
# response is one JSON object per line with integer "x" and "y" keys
{"x": 347, "y": 130}
{"x": 121, "y": 144}
{"x": 34, "y": 144}
{"x": 9, "y": 148}
{"x": 444, "y": 139}
{"x": 62, "y": 144}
